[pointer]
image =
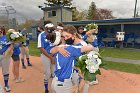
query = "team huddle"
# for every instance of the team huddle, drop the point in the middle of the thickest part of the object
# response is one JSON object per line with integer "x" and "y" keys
{"x": 59, "y": 46}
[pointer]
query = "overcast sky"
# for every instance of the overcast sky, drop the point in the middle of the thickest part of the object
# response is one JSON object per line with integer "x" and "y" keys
{"x": 28, "y": 9}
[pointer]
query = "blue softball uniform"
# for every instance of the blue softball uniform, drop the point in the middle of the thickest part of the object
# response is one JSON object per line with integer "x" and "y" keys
{"x": 26, "y": 43}
{"x": 94, "y": 43}
{"x": 23, "y": 32}
{"x": 64, "y": 65}
{"x": 84, "y": 37}
{"x": 43, "y": 42}
{"x": 3, "y": 44}
{"x": 82, "y": 43}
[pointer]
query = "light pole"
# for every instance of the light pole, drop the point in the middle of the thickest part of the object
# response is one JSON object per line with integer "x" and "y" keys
{"x": 61, "y": 13}
{"x": 135, "y": 9}
{"x": 6, "y": 12}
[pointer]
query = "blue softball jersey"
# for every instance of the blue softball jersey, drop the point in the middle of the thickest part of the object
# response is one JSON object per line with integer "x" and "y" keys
{"x": 3, "y": 44}
{"x": 94, "y": 43}
{"x": 64, "y": 65}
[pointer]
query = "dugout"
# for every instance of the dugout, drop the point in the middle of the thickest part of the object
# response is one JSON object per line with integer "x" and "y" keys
{"x": 108, "y": 28}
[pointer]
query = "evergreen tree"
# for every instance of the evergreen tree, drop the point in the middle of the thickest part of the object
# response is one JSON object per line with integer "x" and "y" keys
{"x": 59, "y": 2}
{"x": 91, "y": 12}
{"x": 78, "y": 15}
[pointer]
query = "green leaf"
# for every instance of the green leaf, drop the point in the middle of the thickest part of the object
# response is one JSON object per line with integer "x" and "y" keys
{"x": 84, "y": 57}
{"x": 98, "y": 72}
{"x": 83, "y": 68}
{"x": 89, "y": 76}
{"x": 78, "y": 64}
{"x": 77, "y": 58}
{"x": 91, "y": 26}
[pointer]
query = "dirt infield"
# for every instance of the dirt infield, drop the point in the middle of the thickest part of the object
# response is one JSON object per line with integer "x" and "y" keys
{"x": 109, "y": 82}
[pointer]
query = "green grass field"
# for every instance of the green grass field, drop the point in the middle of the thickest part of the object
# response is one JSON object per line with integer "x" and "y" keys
{"x": 34, "y": 51}
{"x": 121, "y": 53}
{"x": 124, "y": 67}
{"x": 108, "y": 52}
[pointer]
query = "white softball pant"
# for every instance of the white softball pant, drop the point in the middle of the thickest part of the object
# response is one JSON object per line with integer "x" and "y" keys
{"x": 48, "y": 67}
{"x": 4, "y": 63}
{"x": 61, "y": 87}
{"x": 23, "y": 53}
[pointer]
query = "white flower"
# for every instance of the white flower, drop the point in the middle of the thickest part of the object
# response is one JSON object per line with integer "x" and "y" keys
{"x": 92, "y": 62}
{"x": 95, "y": 56}
{"x": 86, "y": 61}
{"x": 20, "y": 34}
{"x": 96, "y": 53}
{"x": 13, "y": 36}
{"x": 16, "y": 34}
{"x": 89, "y": 55}
{"x": 99, "y": 61}
{"x": 92, "y": 68}
{"x": 80, "y": 58}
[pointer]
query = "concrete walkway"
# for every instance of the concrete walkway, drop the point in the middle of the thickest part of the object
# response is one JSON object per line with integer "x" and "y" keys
{"x": 122, "y": 60}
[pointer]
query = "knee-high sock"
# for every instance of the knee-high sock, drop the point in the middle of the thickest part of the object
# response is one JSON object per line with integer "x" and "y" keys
{"x": 22, "y": 60}
{"x": 28, "y": 60}
{"x": 46, "y": 84}
{"x": 6, "y": 78}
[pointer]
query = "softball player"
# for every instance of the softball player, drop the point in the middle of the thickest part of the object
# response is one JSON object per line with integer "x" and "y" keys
{"x": 62, "y": 83}
{"x": 85, "y": 36}
{"x": 73, "y": 38}
{"x": 44, "y": 45}
{"x": 4, "y": 61}
{"x": 25, "y": 50}
{"x": 16, "y": 63}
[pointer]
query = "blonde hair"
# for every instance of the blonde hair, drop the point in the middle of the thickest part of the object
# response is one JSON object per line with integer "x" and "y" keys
{"x": 11, "y": 30}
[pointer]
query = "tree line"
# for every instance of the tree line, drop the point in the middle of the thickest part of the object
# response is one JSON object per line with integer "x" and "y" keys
{"x": 93, "y": 13}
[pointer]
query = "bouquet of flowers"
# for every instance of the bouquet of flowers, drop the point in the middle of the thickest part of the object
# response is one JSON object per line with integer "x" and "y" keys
{"x": 92, "y": 26}
{"x": 15, "y": 37}
{"x": 88, "y": 65}
{"x": 90, "y": 29}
